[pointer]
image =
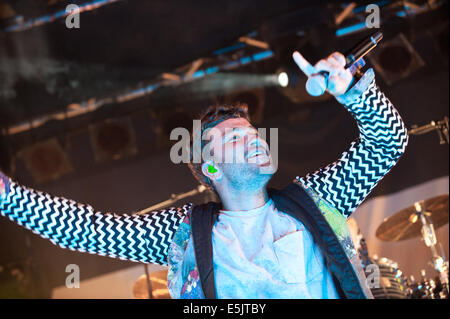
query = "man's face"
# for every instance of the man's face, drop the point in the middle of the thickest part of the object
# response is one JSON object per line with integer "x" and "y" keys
{"x": 241, "y": 154}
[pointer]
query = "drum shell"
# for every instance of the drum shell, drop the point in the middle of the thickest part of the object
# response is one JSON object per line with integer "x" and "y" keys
{"x": 391, "y": 283}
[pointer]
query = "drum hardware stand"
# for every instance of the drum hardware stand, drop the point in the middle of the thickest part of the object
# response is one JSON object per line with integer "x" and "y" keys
{"x": 441, "y": 127}
{"x": 149, "y": 283}
{"x": 429, "y": 237}
{"x": 173, "y": 199}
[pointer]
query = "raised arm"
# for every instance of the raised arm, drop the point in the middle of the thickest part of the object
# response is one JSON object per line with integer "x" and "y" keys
{"x": 382, "y": 140}
{"x": 140, "y": 238}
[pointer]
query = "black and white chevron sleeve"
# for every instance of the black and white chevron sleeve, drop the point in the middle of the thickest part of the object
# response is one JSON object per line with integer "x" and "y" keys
{"x": 383, "y": 139}
{"x": 140, "y": 238}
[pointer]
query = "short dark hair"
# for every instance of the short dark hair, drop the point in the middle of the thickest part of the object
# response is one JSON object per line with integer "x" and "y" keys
{"x": 209, "y": 118}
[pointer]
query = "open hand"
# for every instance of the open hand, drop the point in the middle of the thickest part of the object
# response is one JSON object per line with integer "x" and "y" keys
{"x": 338, "y": 80}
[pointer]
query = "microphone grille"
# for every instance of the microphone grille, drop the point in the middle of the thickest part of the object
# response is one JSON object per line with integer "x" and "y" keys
{"x": 315, "y": 85}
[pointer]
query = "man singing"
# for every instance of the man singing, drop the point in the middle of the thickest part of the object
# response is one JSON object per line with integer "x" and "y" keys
{"x": 258, "y": 242}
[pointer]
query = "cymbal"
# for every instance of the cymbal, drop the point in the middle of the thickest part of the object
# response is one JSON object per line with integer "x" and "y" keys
{"x": 158, "y": 281}
{"x": 405, "y": 224}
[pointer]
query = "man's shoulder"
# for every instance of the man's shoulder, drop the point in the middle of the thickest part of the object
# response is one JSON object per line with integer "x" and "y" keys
{"x": 294, "y": 188}
{"x": 183, "y": 232}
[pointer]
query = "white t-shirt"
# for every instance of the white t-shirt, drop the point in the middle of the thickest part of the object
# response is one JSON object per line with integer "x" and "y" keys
{"x": 265, "y": 253}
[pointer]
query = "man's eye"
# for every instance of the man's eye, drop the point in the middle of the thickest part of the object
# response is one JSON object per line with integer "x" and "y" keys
{"x": 234, "y": 139}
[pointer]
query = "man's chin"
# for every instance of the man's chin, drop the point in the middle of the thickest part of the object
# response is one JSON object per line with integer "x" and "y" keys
{"x": 247, "y": 176}
{"x": 264, "y": 167}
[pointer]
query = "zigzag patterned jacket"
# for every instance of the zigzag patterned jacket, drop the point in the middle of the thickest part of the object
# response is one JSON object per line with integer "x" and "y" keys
{"x": 164, "y": 237}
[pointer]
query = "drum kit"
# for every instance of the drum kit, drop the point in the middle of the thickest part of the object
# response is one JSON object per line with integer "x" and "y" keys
{"x": 420, "y": 220}
{"x": 151, "y": 286}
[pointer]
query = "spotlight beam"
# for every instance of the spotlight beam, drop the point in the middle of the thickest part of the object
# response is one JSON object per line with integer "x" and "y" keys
{"x": 77, "y": 109}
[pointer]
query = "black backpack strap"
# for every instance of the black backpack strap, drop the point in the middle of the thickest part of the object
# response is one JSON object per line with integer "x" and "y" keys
{"x": 203, "y": 218}
{"x": 296, "y": 202}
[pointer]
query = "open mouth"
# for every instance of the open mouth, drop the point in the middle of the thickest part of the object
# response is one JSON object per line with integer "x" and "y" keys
{"x": 258, "y": 151}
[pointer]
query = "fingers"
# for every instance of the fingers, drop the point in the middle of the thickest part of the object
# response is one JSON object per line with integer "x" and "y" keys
{"x": 334, "y": 64}
{"x": 339, "y": 57}
{"x": 328, "y": 65}
{"x": 303, "y": 64}
{"x": 337, "y": 79}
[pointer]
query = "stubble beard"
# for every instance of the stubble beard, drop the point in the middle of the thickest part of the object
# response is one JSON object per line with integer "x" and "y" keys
{"x": 245, "y": 177}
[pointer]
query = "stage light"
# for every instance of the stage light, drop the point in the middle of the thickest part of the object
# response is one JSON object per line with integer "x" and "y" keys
{"x": 283, "y": 79}
{"x": 169, "y": 118}
{"x": 113, "y": 139}
{"x": 46, "y": 160}
{"x": 396, "y": 59}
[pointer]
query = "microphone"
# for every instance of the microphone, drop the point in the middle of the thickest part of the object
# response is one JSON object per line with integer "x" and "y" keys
{"x": 316, "y": 85}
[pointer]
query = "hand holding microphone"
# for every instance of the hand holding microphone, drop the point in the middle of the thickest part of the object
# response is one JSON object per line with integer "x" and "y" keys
{"x": 335, "y": 73}
{"x": 336, "y": 80}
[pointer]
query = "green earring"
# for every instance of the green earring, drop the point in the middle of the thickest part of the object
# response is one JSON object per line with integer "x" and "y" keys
{"x": 212, "y": 169}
